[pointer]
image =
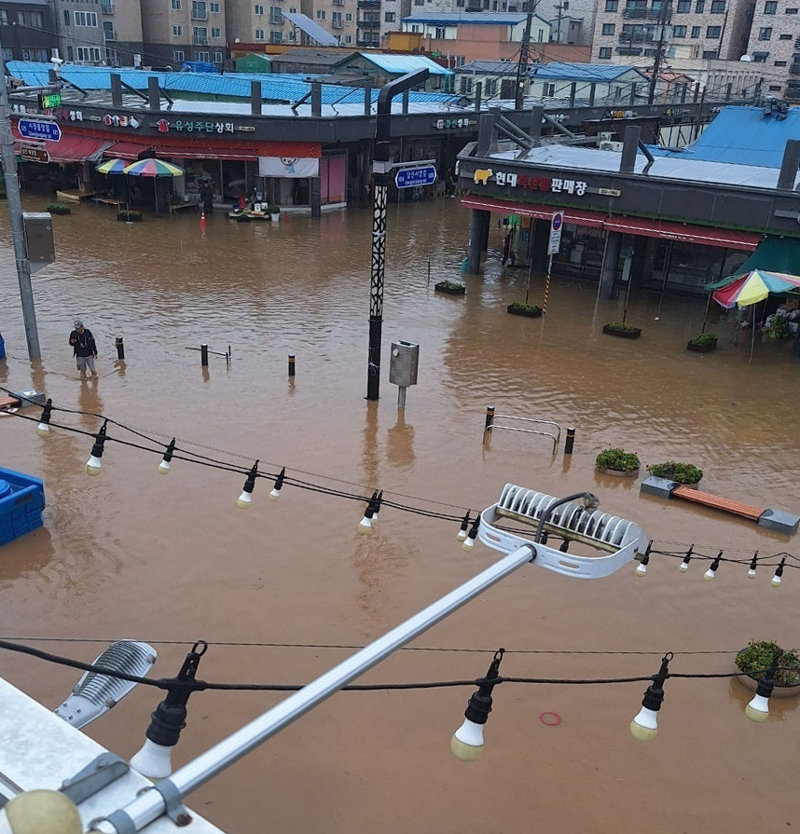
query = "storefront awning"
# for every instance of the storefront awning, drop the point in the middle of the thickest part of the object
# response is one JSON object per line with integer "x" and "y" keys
{"x": 70, "y": 148}
{"x": 125, "y": 150}
{"x": 663, "y": 229}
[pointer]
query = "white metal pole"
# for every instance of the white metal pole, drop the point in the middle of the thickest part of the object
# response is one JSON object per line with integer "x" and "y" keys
{"x": 150, "y": 805}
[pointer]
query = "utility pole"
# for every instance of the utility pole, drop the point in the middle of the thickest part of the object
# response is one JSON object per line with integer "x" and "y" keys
{"x": 662, "y": 21}
{"x": 560, "y": 7}
{"x": 15, "y": 218}
{"x": 522, "y": 65}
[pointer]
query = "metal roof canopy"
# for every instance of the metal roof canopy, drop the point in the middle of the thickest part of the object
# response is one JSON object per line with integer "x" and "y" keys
{"x": 39, "y": 750}
{"x": 313, "y": 30}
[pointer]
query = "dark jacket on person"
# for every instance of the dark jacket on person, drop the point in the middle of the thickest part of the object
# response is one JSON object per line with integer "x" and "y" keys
{"x": 83, "y": 343}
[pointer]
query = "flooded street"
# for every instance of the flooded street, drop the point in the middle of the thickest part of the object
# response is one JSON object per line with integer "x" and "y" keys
{"x": 282, "y": 590}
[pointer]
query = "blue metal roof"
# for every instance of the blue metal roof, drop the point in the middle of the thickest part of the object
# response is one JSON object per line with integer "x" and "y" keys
{"x": 281, "y": 88}
{"x": 742, "y": 135}
{"x": 584, "y": 72}
{"x": 402, "y": 64}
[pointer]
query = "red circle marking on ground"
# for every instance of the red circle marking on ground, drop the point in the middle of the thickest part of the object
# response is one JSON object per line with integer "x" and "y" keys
{"x": 550, "y": 719}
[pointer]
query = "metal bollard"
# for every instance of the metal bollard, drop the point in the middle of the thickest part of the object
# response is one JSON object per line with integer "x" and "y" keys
{"x": 291, "y": 364}
{"x": 489, "y": 420}
{"x": 204, "y": 355}
{"x": 568, "y": 443}
{"x": 120, "y": 348}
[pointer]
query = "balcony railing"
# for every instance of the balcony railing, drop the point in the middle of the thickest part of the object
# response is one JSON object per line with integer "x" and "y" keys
{"x": 337, "y": 24}
{"x": 628, "y": 50}
{"x": 369, "y": 4}
{"x": 106, "y": 7}
{"x": 199, "y": 40}
{"x": 199, "y": 14}
{"x": 276, "y": 18}
{"x": 629, "y": 40}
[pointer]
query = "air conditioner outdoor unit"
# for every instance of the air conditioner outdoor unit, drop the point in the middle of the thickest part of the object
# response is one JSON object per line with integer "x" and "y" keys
{"x": 610, "y": 146}
{"x": 605, "y": 136}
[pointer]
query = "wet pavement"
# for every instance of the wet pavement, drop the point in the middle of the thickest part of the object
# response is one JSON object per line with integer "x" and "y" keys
{"x": 172, "y": 559}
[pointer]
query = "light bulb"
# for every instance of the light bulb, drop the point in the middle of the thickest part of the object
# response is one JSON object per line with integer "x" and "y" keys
{"x": 163, "y": 467}
{"x": 38, "y": 811}
{"x": 275, "y": 492}
{"x": 244, "y": 500}
{"x": 758, "y": 709}
{"x": 365, "y": 525}
{"x": 776, "y": 580}
{"x": 467, "y": 741}
{"x": 153, "y": 760}
{"x": 462, "y": 534}
{"x": 684, "y": 566}
{"x": 641, "y": 569}
{"x": 751, "y": 572}
{"x": 93, "y": 465}
{"x": 42, "y": 429}
{"x": 709, "y": 575}
{"x": 468, "y": 543}
{"x": 644, "y": 726}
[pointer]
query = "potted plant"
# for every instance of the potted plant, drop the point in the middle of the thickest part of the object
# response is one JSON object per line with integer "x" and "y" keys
{"x": 519, "y": 309}
{"x": 450, "y": 287}
{"x": 702, "y": 343}
{"x": 616, "y": 461}
{"x": 58, "y": 208}
{"x": 274, "y": 213}
{"x": 778, "y": 328}
{"x": 129, "y": 215}
{"x": 758, "y": 656}
{"x": 682, "y": 473}
{"x": 620, "y": 328}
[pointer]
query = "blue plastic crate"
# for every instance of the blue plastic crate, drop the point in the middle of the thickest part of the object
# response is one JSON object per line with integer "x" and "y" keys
{"x": 21, "y": 504}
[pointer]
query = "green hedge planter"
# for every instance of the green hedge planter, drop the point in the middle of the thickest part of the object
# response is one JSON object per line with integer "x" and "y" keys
{"x": 681, "y": 473}
{"x": 532, "y": 311}
{"x": 58, "y": 208}
{"x": 702, "y": 344}
{"x": 624, "y": 331}
{"x": 616, "y": 461}
{"x": 450, "y": 288}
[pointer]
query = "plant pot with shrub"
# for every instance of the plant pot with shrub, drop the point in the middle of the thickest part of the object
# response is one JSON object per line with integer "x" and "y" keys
{"x": 58, "y": 208}
{"x": 129, "y": 215}
{"x": 756, "y": 659}
{"x": 702, "y": 343}
{"x": 616, "y": 461}
{"x": 533, "y": 311}
{"x": 450, "y": 288}
{"x": 620, "y": 328}
{"x": 274, "y": 213}
{"x": 682, "y": 473}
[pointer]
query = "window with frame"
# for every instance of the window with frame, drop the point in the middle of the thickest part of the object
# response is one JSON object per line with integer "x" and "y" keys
{"x": 791, "y": 11}
{"x": 695, "y": 32}
{"x": 349, "y": 16}
{"x": 202, "y": 56}
{"x": 771, "y": 7}
{"x": 765, "y": 33}
{"x": 604, "y": 53}
{"x": 774, "y": 88}
{"x": 612, "y": 5}
{"x": 320, "y": 14}
{"x": 108, "y": 31}
{"x": 213, "y": 8}
{"x": 699, "y": 6}
{"x": 89, "y": 53}
{"x": 609, "y": 28}
{"x": 784, "y": 37}
{"x": 389, "y": 17}
{"x": 258, "y": 9}
{"x": 684, "y": 6}
{"x": 348, "y": 38}
{"x": 780, "y": 63}
{"x": 440, "y": 33}
{"x": 175, "y": 5}
{"x": 35, "y": 19}
{"x": 718, "y": 6}
{"x": 217, "y": 57}
{"x": 177, "y": 31}
{"x": 678, "y": 31}
{"x": 177, "y": 55}
{"x": 216, "y": 32}
{"x": 259, "y": 34}
{"x": 4, "y": 22}
{"x": 275, "y": 15}
{"x": 83, "y": 19}
{"x": 709, "y": 54}
{"x": 760, "y": 57}
{"x": 275, "y": 36}
{"x": 66, "y": 17}
{"x": 466, "y": 84}
{"x": 713, "y": 32}
{"x": 490, "y": 85}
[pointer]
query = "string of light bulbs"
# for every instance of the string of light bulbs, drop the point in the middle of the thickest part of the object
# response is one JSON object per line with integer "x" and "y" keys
{"x": 468, "y": 525}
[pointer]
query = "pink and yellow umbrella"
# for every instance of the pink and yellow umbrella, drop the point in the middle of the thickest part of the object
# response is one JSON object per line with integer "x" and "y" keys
{"x": 755, "y": 286}
{"x": 153, "y": 168}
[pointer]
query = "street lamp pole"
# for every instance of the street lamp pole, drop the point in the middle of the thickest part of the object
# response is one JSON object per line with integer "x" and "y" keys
{"x": 15, "y": 218}
{"x": 381, "y": 170}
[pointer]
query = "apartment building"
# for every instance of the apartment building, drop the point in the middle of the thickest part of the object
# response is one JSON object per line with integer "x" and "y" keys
{"x": 774, "y": 45}
{"x": 184, "y": 30}
{"x": 686, "y": 30}
{"x": 337, "y": 17}
{"x": 94, "y": 33}
{"x": 27, "y": 30}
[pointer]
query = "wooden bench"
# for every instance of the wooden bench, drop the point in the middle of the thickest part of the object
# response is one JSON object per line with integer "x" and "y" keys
{"x": 709, "y": 500}
{"x": 107, "y": 201}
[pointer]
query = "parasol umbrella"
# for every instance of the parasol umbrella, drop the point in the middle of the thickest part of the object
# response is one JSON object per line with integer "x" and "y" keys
{"x": 153, "y": 167}
{"x": 755, "y": 286}
{"x": 112, "y": 166}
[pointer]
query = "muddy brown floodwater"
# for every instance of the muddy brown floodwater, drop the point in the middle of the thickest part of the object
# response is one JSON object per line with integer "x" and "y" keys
{"x": 277, "y": 590}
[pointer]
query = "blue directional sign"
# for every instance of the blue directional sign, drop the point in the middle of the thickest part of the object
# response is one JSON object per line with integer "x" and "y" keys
{"x": 33, "y": 129}
{"x": 414, "y": 177}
